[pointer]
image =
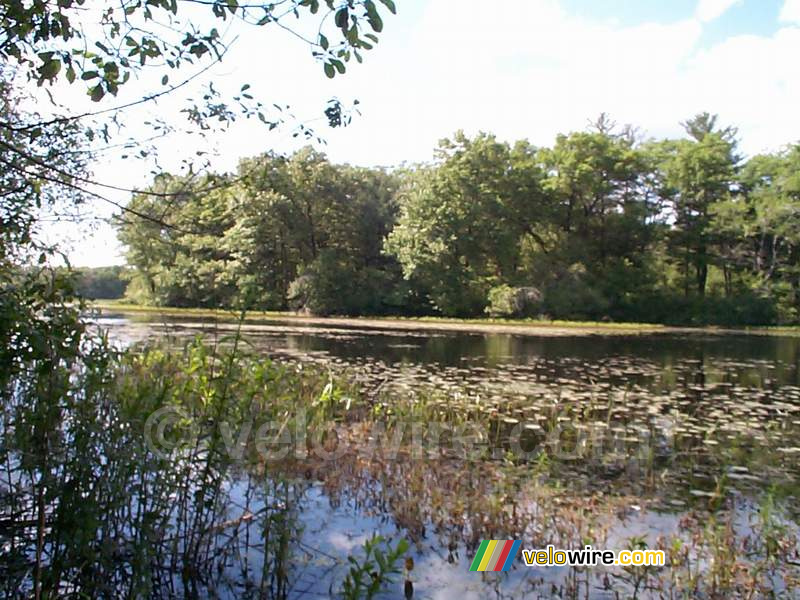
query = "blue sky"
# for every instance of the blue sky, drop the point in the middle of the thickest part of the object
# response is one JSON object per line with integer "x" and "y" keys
{"x": 746, "y": 17}
{"x": 518, "y": 68}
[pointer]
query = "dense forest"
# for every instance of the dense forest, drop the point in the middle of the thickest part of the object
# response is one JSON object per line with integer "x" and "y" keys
{"x": 603, "y": 225}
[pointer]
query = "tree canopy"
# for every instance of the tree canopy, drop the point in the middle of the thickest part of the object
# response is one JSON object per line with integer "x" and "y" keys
{"x": 602, "y": 225}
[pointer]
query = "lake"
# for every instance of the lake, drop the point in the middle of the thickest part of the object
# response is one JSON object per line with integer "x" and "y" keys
{"x": 648, "y": 438}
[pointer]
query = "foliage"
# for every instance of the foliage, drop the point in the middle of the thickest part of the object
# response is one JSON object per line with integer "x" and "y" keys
{"x": 461, "y": 220}
{"x": 598, "y": 227}
{"x": 505, "y": 301}
{"x": 105, "y": 48}
{"x": 368, "y": 576}
{"x": 99, "y": 509}
{"x": 27, "y": 191}
{"x": 101, "y": 283}
{"x": 295, "y": 229}
{"x": 57, "y": 41}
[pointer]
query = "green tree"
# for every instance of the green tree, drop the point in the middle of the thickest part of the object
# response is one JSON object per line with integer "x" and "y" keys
{"x": 107, "y": 283}
{"x": 245, "y": 239}
{"x": 760, "y": 230}
{"x": 697, "y": 174}
{"x": 461, "y": 220}
{"x": 605, "y": 213}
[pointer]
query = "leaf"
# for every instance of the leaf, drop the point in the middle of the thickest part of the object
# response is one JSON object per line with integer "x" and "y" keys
{"x": 323, "y": 42}
{"x": 342, "y": 17}
{"x": 390, "y": 5}
{"x": 97, "y": 93}
{"x": 164, "y": 80}
{"x": 375, "y": 22}
{"x": 50, "y": 69}
{"x": 329, "y": 70}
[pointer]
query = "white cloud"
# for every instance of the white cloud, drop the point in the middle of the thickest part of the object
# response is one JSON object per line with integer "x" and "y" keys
{"x": 790, "y": 13}
{"x": 709, "y": 10}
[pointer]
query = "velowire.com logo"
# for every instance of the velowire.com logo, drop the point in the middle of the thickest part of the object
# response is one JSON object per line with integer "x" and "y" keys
{"x": 495, "y": 555}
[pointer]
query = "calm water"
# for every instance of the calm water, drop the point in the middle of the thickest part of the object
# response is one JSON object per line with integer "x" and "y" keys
{"x": 708, "y": 405}
{"x": 758, "y": 360}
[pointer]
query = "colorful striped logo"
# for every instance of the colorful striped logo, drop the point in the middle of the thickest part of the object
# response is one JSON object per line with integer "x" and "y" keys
{"x": 495, "y": 555}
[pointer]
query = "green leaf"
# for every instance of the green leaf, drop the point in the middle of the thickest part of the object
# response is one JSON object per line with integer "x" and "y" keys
{"x": 376, "y": 22}
{"x": 97, "y": 93}
{"x": 390, "y": 5}
{"x": 342, "y": 17}
{"x": 329, "y": 71}
{"x": 164, "y": 80}
{"x": 50, "y": 69}
{"x": 323, "y": 41}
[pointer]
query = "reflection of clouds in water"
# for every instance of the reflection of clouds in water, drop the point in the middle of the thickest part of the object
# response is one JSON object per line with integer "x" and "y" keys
{"x": 437, "y": 579}
{"x": 457, "y": 594}
{"x": 345, "y": 543}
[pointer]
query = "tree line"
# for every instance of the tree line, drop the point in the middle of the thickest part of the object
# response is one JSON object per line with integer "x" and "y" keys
{"x": 603, "y": 225}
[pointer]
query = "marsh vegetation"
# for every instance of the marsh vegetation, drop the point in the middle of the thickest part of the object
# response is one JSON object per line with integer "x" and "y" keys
{"x": 690, "y": 447}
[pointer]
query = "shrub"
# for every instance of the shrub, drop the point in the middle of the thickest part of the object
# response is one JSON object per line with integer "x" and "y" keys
{"x": 507, "y": 301}
{"x": 331, "y": 285}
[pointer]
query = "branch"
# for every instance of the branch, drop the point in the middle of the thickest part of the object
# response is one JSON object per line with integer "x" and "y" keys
{"x": 143, "y": 100}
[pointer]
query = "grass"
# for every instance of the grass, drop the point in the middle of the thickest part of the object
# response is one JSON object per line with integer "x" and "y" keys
{"x": 122, "y": 306}
{"x": 477, "y": 324}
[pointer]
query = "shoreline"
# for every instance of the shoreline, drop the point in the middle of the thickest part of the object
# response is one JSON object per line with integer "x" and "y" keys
{"x": 485, "y": 326}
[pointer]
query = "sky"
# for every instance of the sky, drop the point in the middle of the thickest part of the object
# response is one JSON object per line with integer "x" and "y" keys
{"x": 516, "y": 68}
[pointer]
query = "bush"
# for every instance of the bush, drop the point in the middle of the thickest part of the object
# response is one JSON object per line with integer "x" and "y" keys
{"x": 506, "y": 301}
{"x": 572, "y": 296}
{"x": 331, "y": 285}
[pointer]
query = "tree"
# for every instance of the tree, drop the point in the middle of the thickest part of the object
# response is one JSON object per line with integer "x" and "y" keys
{"x": 760, "y": 229}
{"x": 604, "y": 210}
{"x": 107, "y": 283}
{"x": 243, "y": 240}
{"x": 697, "y": 174}
{"x": 461, "y": 221}
{"x": 104, "y": 49}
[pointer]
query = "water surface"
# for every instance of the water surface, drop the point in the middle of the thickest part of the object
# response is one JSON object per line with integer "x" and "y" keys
{"x": 686, "y": 421}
